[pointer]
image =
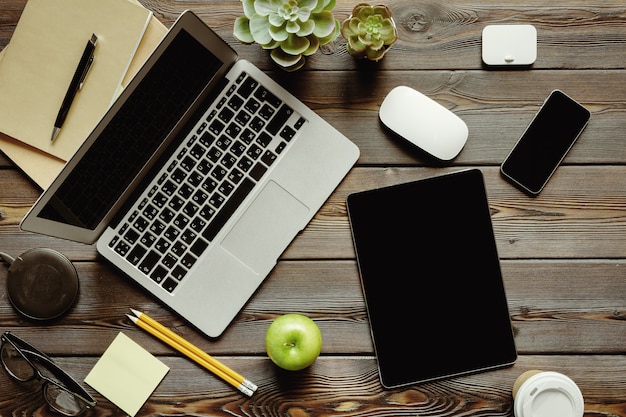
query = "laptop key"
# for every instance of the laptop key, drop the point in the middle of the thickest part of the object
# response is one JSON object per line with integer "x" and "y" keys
{"x": 114, "y": 241}
{"x": 169, "y": 261}
{"x": 158, "y": 274}
{"x": 223, "y": 142}
{"x": 159, "y": 199}
{"x": 252, "y": 105}
{"x": 178, "y": 175}
{"x": 179, "y": 272}
{"x": 279, "y": 119}
{"x": 122, "y": 248}
{"x": 264, "y": 95}
{"x": 166, "y": 215}
{"x": 157, "y": 227}
{"x": 170, "y": 285}
{"x": 198, "y": 247}
{"x": 247, "y": 87}
{"x": 149, "y": 262}
{"x": 264, "y": 139}
{"x": 287, "y": 133}
{"x": 235, "y": 176}
{"x": 258, "y": 171}
{"x": 131, "y": 236}
{"x": 136, "y": 254}
{"x": 267, "y": 111}
{"x": 188, "y": 260}
{"x": 147, "y": 239}
{"x": 299, "y": 123}
{"x": 245, "y": 164}
{"x": 207, "y": 139}
{"x": 233, "y": 130}
{"x": 254, "y": 151}
{"x": 162, "y": 245}
{"x": 243, "y": 117}
{"x": 171, "y": 233}
{"x": 169, "y": 187}
{"x": 188, "y": 236}
{"x": 216, "y": 127}
{"x": 235, "y": 102}
{"x": 268, "y": 158}
{"x": 176, "y": 203}
{"x": 226, "y": 115}
{"x": 187, "y": 163}
{"x": 256, "y": 124}
{"x": 141, "y": 224}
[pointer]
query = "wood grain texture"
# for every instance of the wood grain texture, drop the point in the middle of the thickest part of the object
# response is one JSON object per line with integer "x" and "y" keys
{"x": 563, "y": 253}
{"x": 343, "y": 386}
{"x": 432, "y": 34}
{"x": 580, "y": 214}
{"x": 555, "y": 306}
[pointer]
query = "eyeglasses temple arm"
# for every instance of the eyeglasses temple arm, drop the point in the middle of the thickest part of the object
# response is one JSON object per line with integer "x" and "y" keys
{"x": 62, "y": 375}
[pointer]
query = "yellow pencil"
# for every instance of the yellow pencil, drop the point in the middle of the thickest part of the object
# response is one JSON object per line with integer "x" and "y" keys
{"x": 192, "y": 352}
{"x": 199, "y": 352}
{"x": 185, "y": 351}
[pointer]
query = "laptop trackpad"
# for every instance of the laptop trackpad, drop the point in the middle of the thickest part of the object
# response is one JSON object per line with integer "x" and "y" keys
{"x": 266, "y": 228}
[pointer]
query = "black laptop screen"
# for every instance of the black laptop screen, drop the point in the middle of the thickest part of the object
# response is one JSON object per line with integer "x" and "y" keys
{"x": 135, "y": 132}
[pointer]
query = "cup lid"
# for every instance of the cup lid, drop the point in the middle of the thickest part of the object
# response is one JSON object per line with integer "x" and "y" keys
{"x": 549, "y": 394}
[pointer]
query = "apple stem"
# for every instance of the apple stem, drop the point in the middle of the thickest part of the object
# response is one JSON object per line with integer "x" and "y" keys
{"x": 289, "y": 344}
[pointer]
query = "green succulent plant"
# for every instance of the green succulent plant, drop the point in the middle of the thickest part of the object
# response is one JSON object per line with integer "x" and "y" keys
{"x": 369, "y": 31}
{"x": 291, "y": 29}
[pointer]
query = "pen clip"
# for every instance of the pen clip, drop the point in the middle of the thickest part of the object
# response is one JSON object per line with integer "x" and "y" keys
{"x": 85, "y": 72}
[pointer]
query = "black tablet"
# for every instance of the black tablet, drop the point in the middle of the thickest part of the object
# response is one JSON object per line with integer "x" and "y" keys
{"x": 431, "y": 278}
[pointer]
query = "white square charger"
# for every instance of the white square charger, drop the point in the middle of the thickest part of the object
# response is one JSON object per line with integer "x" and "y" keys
{"x": 506, "y": 45}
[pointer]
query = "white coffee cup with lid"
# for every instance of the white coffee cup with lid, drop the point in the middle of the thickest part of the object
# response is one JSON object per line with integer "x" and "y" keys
{"x": 546, "y": 394}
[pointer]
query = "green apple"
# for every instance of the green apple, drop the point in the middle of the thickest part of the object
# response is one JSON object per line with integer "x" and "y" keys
{"x": 293, "y": 341}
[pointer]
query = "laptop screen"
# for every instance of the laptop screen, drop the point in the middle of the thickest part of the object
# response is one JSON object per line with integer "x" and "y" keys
{"x": 134, "y": 133}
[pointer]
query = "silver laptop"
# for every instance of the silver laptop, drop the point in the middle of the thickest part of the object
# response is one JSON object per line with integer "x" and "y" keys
{"x": 197, "y": 178}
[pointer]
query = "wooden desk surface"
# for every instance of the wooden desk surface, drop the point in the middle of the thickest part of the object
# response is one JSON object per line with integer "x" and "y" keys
{"x": 563, "y": 254}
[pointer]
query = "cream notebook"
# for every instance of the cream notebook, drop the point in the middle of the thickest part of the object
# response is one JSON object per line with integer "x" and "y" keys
{"x": 42, "y": 167}
{"x": 42, "y": 57}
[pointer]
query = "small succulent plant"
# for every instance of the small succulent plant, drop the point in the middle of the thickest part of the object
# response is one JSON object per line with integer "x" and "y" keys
{"x": 369, "y": 31}
{"x": 291, "y": 29}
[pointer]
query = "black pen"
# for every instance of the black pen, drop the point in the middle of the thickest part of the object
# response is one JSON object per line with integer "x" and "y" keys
{"x": 77, "y": 83}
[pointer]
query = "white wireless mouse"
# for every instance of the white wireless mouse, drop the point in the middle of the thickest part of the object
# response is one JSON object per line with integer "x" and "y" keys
{"x": 423, "y": 122}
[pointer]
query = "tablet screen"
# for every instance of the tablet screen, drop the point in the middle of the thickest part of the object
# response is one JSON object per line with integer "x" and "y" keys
{"x": 431, "y": 278}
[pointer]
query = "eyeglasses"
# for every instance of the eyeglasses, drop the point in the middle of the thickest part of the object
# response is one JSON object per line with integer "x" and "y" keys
{"x": 63, "y": 394}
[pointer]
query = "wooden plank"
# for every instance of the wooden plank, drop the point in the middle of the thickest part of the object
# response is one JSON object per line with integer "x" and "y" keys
{"x": 435, "y": 35}
{"x": 579, "y": 214}
{"x": 496, "y": 106}
{"x": 344, "y": 386}
{"x": 555, "y": 307}
{"x": 572, "y": 34}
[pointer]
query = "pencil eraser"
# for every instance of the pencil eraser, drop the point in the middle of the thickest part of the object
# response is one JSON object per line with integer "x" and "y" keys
{"x": 509, "y": 45}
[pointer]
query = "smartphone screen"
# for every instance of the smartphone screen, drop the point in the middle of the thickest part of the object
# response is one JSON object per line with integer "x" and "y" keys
{"x": 546, "y": 141}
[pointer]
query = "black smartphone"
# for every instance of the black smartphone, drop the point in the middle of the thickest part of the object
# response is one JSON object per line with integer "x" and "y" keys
{"x": 545, "y": 142}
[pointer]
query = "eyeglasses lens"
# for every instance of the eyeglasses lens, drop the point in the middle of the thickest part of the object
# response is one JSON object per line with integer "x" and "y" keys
{"x": 63, "y": 401}
{"x": 15, "y": 363}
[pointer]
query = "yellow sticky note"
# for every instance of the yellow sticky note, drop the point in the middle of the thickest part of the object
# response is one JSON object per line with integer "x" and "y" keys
{"x": 126, "y": 374}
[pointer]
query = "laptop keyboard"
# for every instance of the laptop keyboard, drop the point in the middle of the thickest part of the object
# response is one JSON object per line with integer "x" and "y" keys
{"x": 205, "y": 180}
